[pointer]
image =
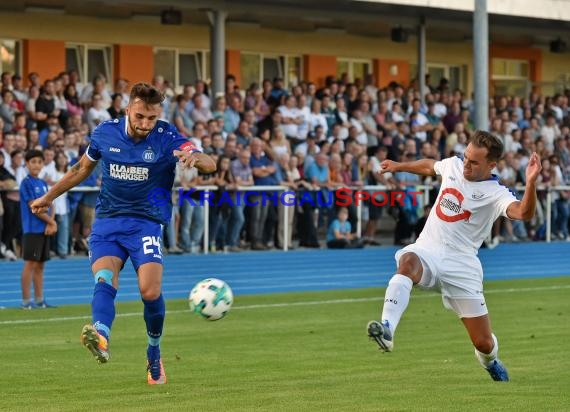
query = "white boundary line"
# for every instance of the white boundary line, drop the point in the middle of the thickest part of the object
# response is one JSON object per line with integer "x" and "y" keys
{"x": 284, "y": 304}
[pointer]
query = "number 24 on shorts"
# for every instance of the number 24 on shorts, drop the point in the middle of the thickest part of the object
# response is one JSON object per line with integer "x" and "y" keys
{"x": 149, "y": 242}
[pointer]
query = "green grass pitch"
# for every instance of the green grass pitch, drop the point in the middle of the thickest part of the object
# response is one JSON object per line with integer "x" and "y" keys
{"x": 296, "y": 352}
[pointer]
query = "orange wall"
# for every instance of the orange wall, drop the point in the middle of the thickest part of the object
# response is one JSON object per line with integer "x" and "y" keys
{"x": 317, "y": 68}
{"x": 46, "y": 57}
{"x": 533, "y": 56}
{"x": 133, "y": 63}
{"x": 233, "y": 66}
{"x": 381, "y": 69}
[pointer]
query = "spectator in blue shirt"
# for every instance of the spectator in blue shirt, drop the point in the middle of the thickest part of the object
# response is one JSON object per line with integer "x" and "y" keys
{"x": 339, "y": 235}
{"x": 37, "y": 229}
{"x": 264, "y": 174}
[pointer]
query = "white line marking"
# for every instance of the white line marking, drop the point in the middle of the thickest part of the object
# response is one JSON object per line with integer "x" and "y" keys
{"x": 282, "y": 305}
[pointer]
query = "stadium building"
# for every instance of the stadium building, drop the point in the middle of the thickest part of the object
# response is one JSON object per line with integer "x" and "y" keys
{"x": 294, "y": 39}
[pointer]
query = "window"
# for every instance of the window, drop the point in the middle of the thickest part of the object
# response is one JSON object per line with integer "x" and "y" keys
{"x": 353, "y": 68}
{"x": 89, "y": 61}
{"x": 250, "y": 69}
{"x": 10, "y": 56}
{"x": 456, "y": 75}
{"x": 510, "y": 69}
{"x": 257, "y": 66}
{"x": 180, "y": 67}
{"x": 293, "y": 68}
{"x": 510, "y": 77}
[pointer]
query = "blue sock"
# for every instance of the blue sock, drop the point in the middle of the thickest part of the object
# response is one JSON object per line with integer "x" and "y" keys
{"x": 154, "y": 312}
{"x": 103, "y": 308}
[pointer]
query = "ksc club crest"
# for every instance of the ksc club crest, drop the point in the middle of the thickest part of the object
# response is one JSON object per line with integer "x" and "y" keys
{"x": 148, "y": 156}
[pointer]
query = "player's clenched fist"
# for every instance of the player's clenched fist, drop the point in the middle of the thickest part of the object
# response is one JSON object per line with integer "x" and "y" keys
{"x": 187, "y": 158}
{"x": 388, "y": 166}
{"x": 40, "y": 205}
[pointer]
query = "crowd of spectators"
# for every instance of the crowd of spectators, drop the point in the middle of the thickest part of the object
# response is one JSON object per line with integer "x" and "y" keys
{"x": 310, "y": 139}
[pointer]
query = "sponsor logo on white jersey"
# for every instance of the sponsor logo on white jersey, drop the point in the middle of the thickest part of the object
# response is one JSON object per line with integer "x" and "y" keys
{"x": 449, "y": 207}
{"x": 123, "y": 172}
{"x": 477, "y": 195}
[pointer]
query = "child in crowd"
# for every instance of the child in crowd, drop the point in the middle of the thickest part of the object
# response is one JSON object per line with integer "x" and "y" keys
{"x": 339, "y": 234}
{"x": 37, "y": 230}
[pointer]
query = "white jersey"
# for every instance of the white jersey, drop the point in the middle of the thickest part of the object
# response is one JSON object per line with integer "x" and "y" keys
{"x": 465, "y": 211}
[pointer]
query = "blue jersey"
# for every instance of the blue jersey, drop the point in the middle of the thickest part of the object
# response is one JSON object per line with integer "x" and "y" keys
{"x": 30, "y": 189}
{"x": 134, "y": 173}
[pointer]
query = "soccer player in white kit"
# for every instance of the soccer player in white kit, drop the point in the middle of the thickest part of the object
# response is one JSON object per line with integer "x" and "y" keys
{"x": 444, "y": 257}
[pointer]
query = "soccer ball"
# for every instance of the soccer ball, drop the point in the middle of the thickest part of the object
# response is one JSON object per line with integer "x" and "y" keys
{"x": 211, "y": 298}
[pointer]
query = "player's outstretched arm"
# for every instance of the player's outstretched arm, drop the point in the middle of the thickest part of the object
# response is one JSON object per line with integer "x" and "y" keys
{"x": 75, "y": 175}
{"x": 524, "y": 210}
{"x": 201, "y": 161}
{"x": 422, "y": 167}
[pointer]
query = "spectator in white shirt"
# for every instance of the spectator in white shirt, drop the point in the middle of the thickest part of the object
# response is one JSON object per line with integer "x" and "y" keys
{"x": 290, "y": 118}
{"x": 550, "y": 131}
{"x": 48, "y": 171}
{"x": 97, "y": 113}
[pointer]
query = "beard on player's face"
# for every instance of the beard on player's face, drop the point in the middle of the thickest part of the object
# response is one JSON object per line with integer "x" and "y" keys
{"x": 140, "y": 127}
{"x": 139, "y": 130}
{"x": 142, "y": 118}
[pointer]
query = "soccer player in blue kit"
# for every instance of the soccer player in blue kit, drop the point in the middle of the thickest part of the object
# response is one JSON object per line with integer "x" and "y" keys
{"x": 139, "y": 154}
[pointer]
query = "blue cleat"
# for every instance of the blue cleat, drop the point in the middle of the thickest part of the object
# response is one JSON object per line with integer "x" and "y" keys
{"x": 155, "y": 373}
{"x": 498, "y": 371}
{"x": 44, "y": 305}
{"x": 155, "y": 368}
{"x": 381, "y": 333}
{"x": 28, "y": 306}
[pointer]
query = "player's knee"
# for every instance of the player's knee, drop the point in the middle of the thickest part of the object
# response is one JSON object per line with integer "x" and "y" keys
{"x": 150, "y": 293}
{"x": 410, "y": 266}
{"x": 484, "y": 344}
{"x": 104, "y": 275}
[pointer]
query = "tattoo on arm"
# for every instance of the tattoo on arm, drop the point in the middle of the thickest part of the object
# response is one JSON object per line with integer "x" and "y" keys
{"x": 76, "y": 167}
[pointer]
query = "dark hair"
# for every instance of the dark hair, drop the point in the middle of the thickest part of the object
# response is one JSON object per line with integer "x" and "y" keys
{"x": 486, "y": 140}
{"x": 228, "y": 176}
{"x": 16, "y": 152}
{"x": 30, "y": 154}
{"x": 147, "y": 93}
{"x": 60, "y": 154}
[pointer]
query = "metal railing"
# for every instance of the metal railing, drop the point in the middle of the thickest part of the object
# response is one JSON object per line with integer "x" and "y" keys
{"x": 425, "y": 189}
{"x": 548, "y": 212}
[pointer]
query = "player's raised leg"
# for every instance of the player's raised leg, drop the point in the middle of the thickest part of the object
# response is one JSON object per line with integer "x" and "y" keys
{"x": 95, "y": 337}
{"x": 396, "y": 300}
{"x": 486, "y": 346}
{"x": 150, "y": 284}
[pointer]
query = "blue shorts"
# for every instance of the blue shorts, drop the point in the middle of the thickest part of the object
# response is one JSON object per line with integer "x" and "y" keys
{"x": 125, "y": 237}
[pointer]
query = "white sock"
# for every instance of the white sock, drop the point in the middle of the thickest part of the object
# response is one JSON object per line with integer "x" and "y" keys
{"x": 487, "y": 358}
{"x": 396, "y": 300}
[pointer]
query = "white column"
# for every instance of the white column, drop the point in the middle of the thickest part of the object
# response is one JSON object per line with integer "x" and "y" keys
{"x": 481, "y": 64}
{"x": 218, "y": 51}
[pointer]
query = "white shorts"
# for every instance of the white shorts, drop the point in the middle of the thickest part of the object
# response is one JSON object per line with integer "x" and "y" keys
{"x": 458, "y": 276}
